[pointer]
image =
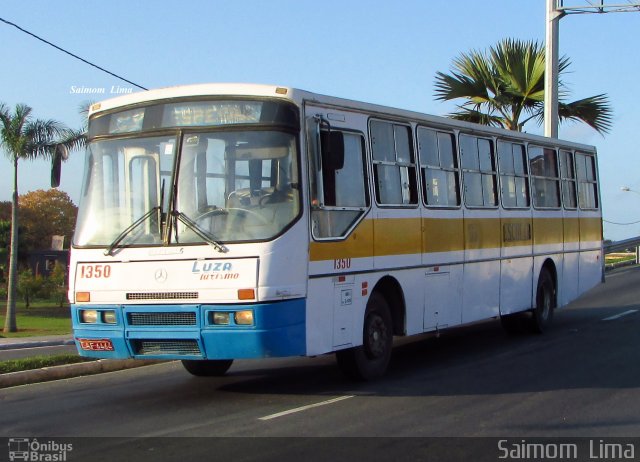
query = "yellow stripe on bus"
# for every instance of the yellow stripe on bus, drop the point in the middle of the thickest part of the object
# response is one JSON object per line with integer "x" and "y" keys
{"x": 409, "y": 236}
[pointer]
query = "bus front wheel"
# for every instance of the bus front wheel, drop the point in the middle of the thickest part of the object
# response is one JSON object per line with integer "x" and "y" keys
{"x": 209, "y": 368}
{"x": 370, "y": 360}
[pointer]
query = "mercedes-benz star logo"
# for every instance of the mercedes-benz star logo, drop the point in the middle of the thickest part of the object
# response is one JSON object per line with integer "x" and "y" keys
{"x": 161, "y": 275}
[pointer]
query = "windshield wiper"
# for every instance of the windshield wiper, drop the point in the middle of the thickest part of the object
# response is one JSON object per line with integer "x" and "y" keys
{"x": 129, "y": 229}
{"x": 193, "y": 226}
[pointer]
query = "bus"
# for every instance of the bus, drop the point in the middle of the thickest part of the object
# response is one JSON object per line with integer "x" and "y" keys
{"x": 232, "y": 221}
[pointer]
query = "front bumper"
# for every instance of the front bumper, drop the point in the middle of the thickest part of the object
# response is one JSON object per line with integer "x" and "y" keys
{"x": 188, "y": 332}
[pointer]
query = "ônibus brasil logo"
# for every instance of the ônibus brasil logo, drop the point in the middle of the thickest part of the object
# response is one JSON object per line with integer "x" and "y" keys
{"x": 30, "y": 449}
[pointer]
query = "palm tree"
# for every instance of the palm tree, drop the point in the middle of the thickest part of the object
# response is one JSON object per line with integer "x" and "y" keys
{"x": 504, "y": 87}
{"x": 25, "y": 138}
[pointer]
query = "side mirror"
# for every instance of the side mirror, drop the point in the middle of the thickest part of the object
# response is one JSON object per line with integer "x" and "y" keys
{"x": 61, "y": 153}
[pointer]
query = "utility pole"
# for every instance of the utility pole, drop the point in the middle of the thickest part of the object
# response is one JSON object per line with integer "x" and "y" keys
{"x": 555, "y": 11}
{"x": 551, "y": 70}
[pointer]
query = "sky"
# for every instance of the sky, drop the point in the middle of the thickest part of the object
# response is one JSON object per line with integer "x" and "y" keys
{"x": 369, "y": 50}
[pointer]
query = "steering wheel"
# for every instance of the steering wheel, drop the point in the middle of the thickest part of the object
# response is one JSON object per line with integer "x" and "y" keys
{"x": 236, "y": 210}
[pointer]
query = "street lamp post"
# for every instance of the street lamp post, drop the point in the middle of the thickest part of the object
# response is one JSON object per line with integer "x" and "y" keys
{"x": 628, "y": 189}
{"x": 551, "y": 70}
{"x": 556, "y": 10}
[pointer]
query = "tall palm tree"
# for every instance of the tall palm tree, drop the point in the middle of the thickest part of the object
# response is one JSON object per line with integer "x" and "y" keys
{"x": 504, "y": 87}
{"x": 23, "y": 137}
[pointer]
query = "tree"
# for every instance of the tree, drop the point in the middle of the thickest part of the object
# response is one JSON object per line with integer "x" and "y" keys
{"x": 504, "y": 87}
{"x": 44, "y": 214}
{"x": 5, "y": 227}
{"x": 23, "y": 137}
{"x": 28, "y": 286}
{"x": 5, "y": 210}
{"x": 58, "y": 281}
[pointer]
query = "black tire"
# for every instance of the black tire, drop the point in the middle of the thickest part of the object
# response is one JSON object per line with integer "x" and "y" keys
{"x": 542, "y": 314}
{"x": 208, "y": 368}
{"x": 370, "y": 360}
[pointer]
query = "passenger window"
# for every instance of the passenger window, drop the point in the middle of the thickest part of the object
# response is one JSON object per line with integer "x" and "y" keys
{"x": 513, "y": 175}
{"x": 568, "y": 177}
{"x": 587, "y": 184}
{"x": 545, "y": 179}
{"x": 393, "y": 164}
{"x": 478, "y": 171}
{"x": 439, "y": 168}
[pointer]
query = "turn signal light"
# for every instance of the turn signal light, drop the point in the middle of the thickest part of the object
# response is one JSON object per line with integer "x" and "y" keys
{"x": 83, "y": 296}
{"x": 246, "y": 294}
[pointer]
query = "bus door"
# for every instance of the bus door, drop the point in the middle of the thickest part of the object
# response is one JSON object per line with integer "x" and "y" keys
{"x": 341, "y": 235}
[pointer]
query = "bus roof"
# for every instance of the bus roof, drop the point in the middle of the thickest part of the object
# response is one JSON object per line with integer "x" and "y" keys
{"x": 301, "y": 96}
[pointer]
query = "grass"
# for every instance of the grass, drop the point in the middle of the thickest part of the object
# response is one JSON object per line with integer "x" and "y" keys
{"x": 619, "y": 257}
{"x": 37, "y": 362}
{"x": 41, "y": 318}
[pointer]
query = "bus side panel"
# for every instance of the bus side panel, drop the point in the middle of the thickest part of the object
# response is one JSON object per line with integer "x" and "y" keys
{"x": 516, "y": 266}
{"x": 443, "y": 250}
{"x": 568, "y": 290}
{"x": 443, "y": 297}
{"x": 590, "y": 250}
{"x": 515, "y": 285}
{"x": 481, "y": 281}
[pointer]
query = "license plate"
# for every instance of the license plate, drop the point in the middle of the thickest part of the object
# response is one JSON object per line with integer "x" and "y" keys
{"x": 91, "y": 344}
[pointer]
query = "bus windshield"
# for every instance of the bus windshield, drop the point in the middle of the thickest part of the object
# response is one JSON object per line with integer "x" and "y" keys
{"x": 223, "y": 186}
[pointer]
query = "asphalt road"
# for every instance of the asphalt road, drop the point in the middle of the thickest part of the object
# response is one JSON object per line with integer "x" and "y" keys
{"x": 580, "y": 379}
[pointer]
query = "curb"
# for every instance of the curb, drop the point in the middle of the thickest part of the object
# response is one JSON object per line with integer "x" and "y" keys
{"x": 67, "y": 371}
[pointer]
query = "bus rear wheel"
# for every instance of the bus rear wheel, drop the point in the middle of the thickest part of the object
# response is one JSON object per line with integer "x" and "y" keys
{"x": 208, "y": 368}
{"x": 542, "y": 314}
{"x": 370, "y": 360}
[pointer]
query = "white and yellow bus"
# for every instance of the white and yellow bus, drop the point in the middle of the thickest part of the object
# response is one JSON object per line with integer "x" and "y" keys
{"x": 223, "y": 221}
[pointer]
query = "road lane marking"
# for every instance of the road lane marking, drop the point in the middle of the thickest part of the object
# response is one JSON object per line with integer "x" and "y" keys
{"x": 304, "y": 408}
{"x": 611, "y": 318}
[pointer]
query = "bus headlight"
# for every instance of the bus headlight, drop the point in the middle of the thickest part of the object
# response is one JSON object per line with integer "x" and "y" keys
{"x": 109, "y": 317}
{"x": 220, "y": 317}
{"x": 244, "y": 318}
{"x": 89, "y": 316}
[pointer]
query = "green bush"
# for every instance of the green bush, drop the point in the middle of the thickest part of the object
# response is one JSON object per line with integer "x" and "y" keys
{"x": 31, "y": 288}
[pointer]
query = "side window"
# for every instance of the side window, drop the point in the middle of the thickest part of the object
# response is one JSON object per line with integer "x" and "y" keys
{"x": 568, "y": 177}
{"x": 393, "y": 163}
{"x": 514, "y": 179}
{"x": 587, "y": 183}
{"x": 477, "y": 158}
{"x": 439, "y": 168}
{"x": 344, "y": 186}
{"x": 339, "y": 193}
{"x": 543, "y": 166}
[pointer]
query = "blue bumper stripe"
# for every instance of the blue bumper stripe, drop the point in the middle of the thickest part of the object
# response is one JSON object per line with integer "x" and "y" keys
{"x": 278, "y": 330}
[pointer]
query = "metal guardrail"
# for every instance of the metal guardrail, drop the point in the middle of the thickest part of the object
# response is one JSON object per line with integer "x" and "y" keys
{"x": 625, "y": 244}
{"x": 630, "y": 243}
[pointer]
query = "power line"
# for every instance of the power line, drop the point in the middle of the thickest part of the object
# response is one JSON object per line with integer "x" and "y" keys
{"x": 71, "y": 54}
{"x": 621, "y": 224}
